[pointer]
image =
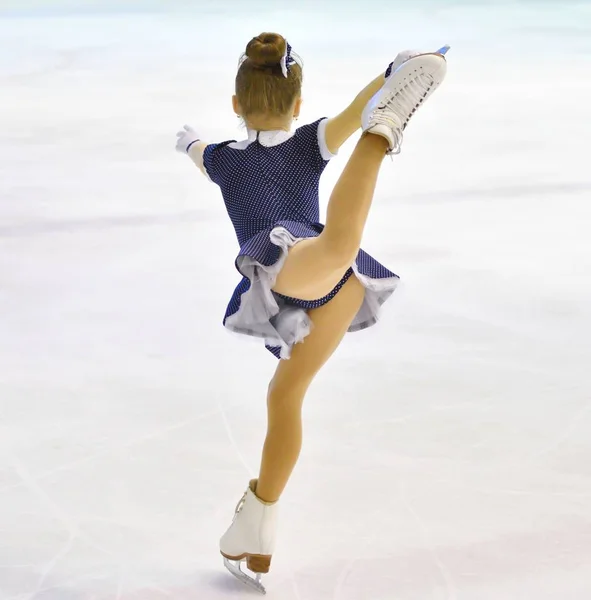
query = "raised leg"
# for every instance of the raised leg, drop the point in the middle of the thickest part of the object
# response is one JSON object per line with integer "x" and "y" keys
{"x": 314, "y": 267}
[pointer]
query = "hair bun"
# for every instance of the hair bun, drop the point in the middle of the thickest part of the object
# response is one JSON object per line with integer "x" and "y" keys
{"x": 266, "y": 49}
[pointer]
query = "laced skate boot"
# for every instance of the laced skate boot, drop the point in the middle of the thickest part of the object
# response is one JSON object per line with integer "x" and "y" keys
{"x": 404, "y": 91}
{"x": 250, "y": 538}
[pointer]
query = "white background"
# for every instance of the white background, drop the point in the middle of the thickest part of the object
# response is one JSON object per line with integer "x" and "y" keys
{"x": 447, "y": 450}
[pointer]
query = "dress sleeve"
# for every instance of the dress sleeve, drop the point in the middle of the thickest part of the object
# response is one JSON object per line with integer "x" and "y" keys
{"x": 215, "y": 161}
{"x": 312, "y": 139}
{"x": 212, "y": 162}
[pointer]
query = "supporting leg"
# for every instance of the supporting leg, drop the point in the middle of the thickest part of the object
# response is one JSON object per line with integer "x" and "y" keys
{"x": 290, "y": 383}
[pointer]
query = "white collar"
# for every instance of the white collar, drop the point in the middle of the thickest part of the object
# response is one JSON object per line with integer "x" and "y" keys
{"x": 269, "y": 138}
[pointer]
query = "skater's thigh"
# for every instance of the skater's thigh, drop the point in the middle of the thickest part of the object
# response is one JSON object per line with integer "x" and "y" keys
{"x": 311, "y": 270}
{"x": 329, "y": 325}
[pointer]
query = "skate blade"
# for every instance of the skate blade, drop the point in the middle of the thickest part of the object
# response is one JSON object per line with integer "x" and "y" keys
{"x": 251, "y": 582}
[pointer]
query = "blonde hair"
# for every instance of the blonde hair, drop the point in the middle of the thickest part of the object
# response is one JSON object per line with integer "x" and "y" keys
{"x": 261, "y": 87}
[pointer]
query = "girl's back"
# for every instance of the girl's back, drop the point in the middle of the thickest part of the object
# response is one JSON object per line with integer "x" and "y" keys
{"x": 270, "y": 177}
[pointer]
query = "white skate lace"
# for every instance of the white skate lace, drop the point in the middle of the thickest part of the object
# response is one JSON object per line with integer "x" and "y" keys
{"x": 240, "y": 504}
{"x": 403, "y": 104}
{"x": 393, "y": 123}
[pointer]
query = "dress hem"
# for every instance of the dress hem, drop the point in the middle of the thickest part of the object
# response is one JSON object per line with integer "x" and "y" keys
{"x": 260, "y": 315}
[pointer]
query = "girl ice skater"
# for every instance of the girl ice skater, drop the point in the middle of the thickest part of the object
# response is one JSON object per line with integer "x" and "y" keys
{"x": 304, "y": 284}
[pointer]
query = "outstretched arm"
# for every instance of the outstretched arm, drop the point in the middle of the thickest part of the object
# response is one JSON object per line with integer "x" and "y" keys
{"x": 196, "y": 154}
{"x": 188, "y": 142}
{"x": 340, "y": 128}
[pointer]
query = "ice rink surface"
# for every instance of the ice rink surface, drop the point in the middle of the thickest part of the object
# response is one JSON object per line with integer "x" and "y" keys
{"x": 447, "y": 450}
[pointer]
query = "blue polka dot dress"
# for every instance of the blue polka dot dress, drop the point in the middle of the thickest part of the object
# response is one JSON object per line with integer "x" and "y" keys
{"x": 270, "y": 183}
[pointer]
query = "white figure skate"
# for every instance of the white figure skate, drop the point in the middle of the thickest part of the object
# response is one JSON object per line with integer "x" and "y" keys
{"x": 251, "y": 538}
{"x": 412, "y": 79}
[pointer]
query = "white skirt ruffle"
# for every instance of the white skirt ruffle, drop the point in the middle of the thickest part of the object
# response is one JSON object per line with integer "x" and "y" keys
{"x": 265, "y": 315}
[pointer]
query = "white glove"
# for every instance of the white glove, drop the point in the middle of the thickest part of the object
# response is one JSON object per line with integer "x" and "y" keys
{"x": 186, "y": 138}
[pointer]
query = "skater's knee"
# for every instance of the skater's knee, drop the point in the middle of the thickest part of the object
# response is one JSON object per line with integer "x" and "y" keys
{"x": 287, "y": 394}
{"x": 285, "y": 391}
